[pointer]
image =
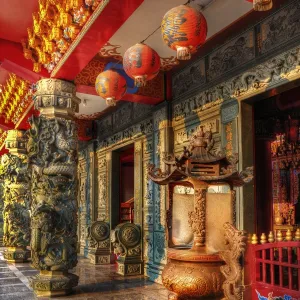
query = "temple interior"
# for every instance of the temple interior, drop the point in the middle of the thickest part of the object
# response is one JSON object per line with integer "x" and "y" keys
{"x": 150, "y": 149}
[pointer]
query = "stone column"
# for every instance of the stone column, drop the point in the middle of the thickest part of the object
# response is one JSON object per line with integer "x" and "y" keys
{"x": 52, "y": 151}
{"x": 1, "y": 211}
{"x": 16, "y": 198}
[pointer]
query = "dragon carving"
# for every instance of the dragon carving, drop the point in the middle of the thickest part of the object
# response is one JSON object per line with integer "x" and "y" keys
{"x": 236, "y": 241}
{"x": 52, "y": 150}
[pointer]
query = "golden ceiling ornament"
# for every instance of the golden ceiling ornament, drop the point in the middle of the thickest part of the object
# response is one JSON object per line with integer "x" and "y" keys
{"x": 56, "y": 25}
{"x": 262, "y": 5}
{"x": 15, "y": 99}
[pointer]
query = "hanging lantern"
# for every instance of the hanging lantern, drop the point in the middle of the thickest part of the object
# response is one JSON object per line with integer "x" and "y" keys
{"x": 111, "y": 86}
{"x": 184, "y": 29}
{"x": 262, "y": 5}
{"x": 141, "y": 63}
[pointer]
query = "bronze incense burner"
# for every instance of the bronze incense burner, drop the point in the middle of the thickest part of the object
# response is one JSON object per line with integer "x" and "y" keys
{"x": 201, "y": 272}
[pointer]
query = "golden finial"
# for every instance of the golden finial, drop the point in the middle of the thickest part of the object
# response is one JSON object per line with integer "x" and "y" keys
{"x": 279, "y": 236}
{"x": 254, "y": 240}
{"x": 249, "y": 239}
{"x": 271, "y": 237}
{"x": 288, "y": 235}
{"x": 263, "y": 238}
{"x": 297, "y": 235}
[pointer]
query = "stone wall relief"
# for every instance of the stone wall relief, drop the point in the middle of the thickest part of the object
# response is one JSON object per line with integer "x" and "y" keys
{"x": 83, "y": 168}
{"x": 233, "y": 54}
{"x": 273, "y": 72}
{"x": 182, "y": 135}
{"x": 280, "y": 27}
{"x": 129, "y": 134}
{"x": 191, "y": 77}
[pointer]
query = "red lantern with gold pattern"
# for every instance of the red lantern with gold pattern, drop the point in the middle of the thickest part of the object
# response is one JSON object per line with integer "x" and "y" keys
{"x": 184, "y": 29}
{"x": 141, "y": 63}
{"x": 111, "y": 86}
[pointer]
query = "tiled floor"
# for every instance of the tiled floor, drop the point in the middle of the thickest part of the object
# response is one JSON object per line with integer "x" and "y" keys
{"x": 95, "y": 282}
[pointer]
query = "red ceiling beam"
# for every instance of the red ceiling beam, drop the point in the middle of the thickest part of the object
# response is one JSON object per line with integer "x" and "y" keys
{"x": 110, "y": 19}
{"x": 12, "y": 58}
{"x": 90, "y": 90}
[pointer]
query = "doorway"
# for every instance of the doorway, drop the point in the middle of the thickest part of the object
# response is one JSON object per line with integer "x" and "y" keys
{"x": 122, "y": 192}
{"x": 277, "y": 162}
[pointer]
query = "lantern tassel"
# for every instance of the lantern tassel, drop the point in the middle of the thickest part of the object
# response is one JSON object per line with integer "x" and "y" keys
{"x": 262, "y": 5}
{"x": 183, "y": 53}
{"x": 111, "y": 101}
{"x": 140, "y": 81}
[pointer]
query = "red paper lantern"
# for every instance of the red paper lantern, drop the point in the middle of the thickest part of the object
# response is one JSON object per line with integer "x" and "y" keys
{"x": 111, "y": 86}
{"x": 184, "y": 29}
{"x": 141, "y": 63}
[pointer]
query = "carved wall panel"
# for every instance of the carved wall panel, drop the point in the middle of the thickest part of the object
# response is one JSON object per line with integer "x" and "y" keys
{"x": 122, "y": 116}
{"x": 233, "y": 54}
{"x": 272, "y": 35}
{"x": 280, "y": 27}
{"x": 103, "y": 181}
{"x": 189, "y": 78}
{"x": 138, "y": 182}
{"x": 82, "y": 202}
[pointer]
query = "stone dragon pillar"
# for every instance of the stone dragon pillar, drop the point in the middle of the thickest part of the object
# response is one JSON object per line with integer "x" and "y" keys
{"x": 52, "y": 151}
{"x": 16, "y": 197}
{"x": 1, "y": 211}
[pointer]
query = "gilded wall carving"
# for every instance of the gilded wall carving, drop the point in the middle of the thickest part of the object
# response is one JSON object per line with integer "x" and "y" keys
{"x": 103, "y": 183}
{"x": 83, "y": 213}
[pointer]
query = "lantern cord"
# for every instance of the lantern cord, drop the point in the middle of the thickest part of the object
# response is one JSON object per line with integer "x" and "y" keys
{"x": 143, "y": 41}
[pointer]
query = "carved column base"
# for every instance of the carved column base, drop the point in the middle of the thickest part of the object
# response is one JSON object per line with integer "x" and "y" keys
{"x": 101, "y": 257}
{"x": 128, "y": 268}
{"x": 53, "y": 283}
{"x": 16, "y": 255}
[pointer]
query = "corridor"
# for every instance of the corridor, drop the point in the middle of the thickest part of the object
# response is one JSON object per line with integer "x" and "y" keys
{"x": 95, "y": 282}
